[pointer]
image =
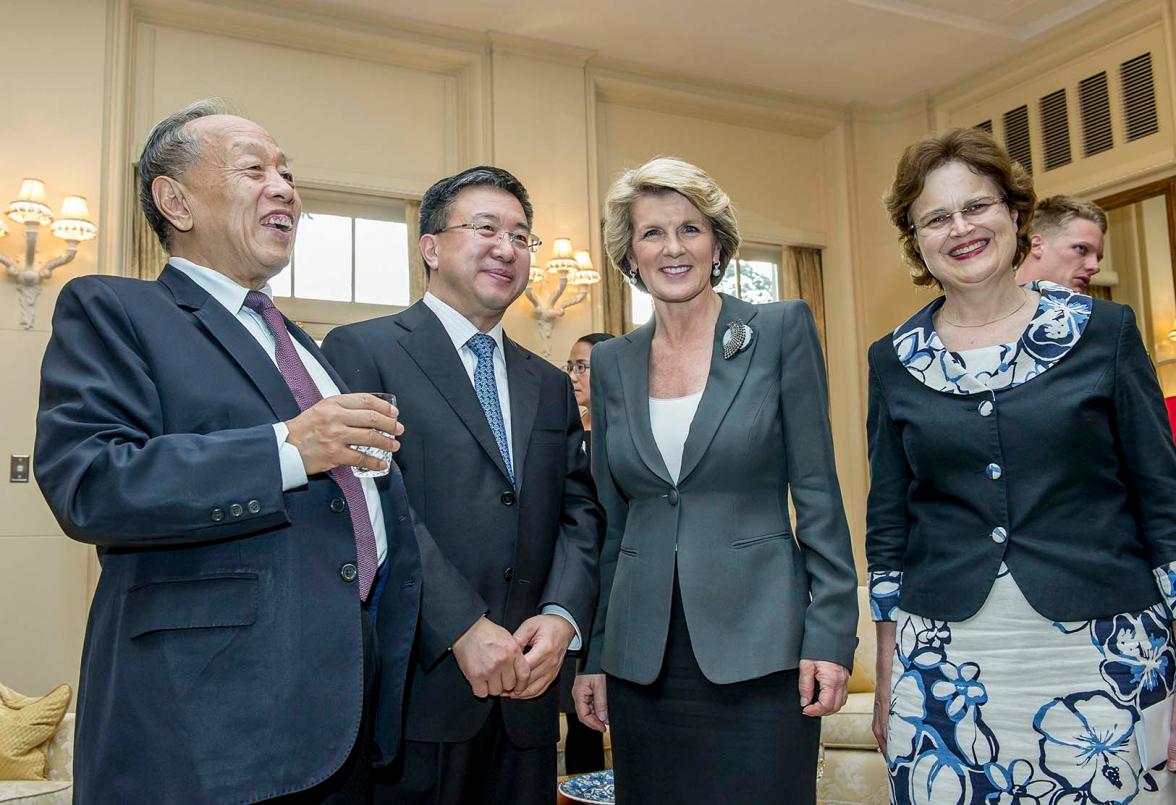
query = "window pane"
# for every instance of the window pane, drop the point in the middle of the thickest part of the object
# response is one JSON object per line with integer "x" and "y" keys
{"x": 640, "y": 306}
{"x": 280, "y": 284}
{"x": 381, "y": 262}
{"x": 757, "y": 281}
{"x": 729, "y": 284}
{"x": 322, "y": 256}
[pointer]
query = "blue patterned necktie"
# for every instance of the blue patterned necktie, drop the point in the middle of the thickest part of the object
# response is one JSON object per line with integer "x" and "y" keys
{"x": 486, "y": 388}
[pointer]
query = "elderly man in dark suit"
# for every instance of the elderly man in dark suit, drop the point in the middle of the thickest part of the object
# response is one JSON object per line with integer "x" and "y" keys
{"x": 495, "y": 468}
{"x": 201, "y": 442}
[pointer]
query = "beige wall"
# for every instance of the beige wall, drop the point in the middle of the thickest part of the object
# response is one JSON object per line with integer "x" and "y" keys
{"x": 384, "y": 110}
{"x": 44, "y": 587}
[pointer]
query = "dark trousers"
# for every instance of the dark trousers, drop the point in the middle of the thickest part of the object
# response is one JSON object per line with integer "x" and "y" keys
{"x": 685, "y": 740}
{"x": 351, "y": 784}
{"x": 485, "y": 770}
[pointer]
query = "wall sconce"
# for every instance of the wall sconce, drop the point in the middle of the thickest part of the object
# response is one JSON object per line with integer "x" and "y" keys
{"x": 572, "y": 268}
{"x": 72, "y": 225}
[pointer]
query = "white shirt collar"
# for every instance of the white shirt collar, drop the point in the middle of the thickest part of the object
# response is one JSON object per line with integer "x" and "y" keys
{"x": 459, "y": 328}
{"x": 219, "y": 287}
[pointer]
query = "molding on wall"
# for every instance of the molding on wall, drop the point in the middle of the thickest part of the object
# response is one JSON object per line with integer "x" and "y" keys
{"x": 114, "y": 178}
{"x": 968, "y": 22}
{"x": 631, "y": 85}
{"x": 539, "y": 49}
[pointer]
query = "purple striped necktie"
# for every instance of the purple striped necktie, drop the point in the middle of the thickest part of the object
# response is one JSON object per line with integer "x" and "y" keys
{"x": 306, "y": 394}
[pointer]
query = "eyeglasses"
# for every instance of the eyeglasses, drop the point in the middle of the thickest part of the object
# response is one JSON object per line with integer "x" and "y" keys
{"x": 520, "y": 240}
{"x": 577, "y": 367}
{"x": 941, "y": 221}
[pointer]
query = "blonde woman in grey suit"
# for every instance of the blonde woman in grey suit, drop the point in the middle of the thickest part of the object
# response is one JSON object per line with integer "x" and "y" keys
{"x": 721, "y": 636}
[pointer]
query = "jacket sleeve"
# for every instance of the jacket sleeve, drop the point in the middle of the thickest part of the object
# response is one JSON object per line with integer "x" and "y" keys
{"x": 1144, "y": 439}
{"x": 830, "y": 627}
{"x": 108, "y": 470}
{"x": 887, "y": 520}
{"x": 573, "y": 580}
{"x": 616, "y": 510}
{"x": 449, "y": 603}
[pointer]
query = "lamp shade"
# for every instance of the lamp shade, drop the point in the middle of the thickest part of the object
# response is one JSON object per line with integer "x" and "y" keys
{"x": 562, "y": 260}
{"x": 32, "y": 190}
{"x": 74, "y": 223}
{"x": 586, "y": 274}
{"x": 29, "y": 206}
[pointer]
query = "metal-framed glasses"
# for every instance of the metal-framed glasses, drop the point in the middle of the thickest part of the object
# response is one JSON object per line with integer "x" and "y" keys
{"x": 577, "y": 368}
{"x": 520, "y": 240}
{"x": 941, "y": 221}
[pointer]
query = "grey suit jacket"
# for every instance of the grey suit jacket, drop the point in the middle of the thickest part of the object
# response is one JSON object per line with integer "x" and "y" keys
{"x": 757, "y": 597}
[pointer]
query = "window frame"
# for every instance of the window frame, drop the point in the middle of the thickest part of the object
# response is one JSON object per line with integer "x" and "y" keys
{"x": 319, "y": 316}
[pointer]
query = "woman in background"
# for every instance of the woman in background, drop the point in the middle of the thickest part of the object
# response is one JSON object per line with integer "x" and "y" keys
{"x": 715, "y": 623}
{"x": 583, "y": 746}
{"x": 1021, "y": 524}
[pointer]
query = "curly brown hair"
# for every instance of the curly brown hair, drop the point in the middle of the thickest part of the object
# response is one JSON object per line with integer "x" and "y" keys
{"x": 979, "y": 151}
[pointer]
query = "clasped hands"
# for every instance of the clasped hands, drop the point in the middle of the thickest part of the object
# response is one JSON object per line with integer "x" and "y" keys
{"x": 516, "y": 666}
{"x": 325, "y": 432}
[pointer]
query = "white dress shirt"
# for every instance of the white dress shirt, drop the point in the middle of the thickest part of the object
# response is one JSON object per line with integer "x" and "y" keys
{"x": 232, "y": 297}
{"x": 460, "y": 330}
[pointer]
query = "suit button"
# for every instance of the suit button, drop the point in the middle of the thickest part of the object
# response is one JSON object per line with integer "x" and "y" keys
{"x": 508, "y": 574}
{"x": 508, "y": 498}
{"x": 673, "y": 497}
{"x": 348, "y": 572}
{"x": 218, "y": 514}
{"x": 236, "y": 510}
{"x": 999, "y": 535}
{"x": 994, "y": 471}
{"x": 338, "y": 505}
{"x": 253, "y": 506}
{"x": 985, "y": 408}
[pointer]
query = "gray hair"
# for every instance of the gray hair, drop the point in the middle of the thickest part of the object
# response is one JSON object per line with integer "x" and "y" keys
{"x": 169, "y": 151}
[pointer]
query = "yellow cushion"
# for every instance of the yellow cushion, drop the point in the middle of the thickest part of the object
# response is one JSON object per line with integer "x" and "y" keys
{"x": 26, "y": 727}
{"x": 851, "y": 726}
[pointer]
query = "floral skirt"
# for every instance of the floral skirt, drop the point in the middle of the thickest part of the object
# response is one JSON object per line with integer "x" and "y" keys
{"x": 1008, "y": 707}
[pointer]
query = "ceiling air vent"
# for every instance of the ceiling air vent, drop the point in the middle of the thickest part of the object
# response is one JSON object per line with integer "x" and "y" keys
{"x": 1016, "y": 126}
{"x": 1055, "y": 129}
{"x": 1139, "y": 97}
{"x": 1094, "y": 106}
{"x": 985, "y": 126}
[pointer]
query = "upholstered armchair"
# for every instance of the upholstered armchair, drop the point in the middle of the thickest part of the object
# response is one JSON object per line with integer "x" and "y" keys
{"x": 854, "y": 771}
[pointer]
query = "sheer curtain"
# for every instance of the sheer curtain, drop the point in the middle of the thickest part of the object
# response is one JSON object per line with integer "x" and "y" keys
{"x": 418, "y": 278}
{"x": 800, "y": 278}
{"x": 147, "y": 257}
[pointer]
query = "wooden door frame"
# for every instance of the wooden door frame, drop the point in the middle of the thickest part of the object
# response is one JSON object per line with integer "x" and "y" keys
{"x": 1134, "y": 195}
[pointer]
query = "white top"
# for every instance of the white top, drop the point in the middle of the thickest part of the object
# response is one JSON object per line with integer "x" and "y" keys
{"x": 670, "y": 420}
{"x": 232, "y": 296}
{"x": 460, "y": 330}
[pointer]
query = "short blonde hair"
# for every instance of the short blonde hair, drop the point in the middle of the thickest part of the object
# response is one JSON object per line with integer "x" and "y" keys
{"x": 981, "y": 153}
{"x": 661, "y": 175}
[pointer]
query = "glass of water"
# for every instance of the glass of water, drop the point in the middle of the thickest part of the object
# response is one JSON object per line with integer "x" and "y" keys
{"x": 383, "y": 455}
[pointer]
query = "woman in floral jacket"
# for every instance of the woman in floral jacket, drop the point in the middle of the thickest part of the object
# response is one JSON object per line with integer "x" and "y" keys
{"x": 1022, "y": 514}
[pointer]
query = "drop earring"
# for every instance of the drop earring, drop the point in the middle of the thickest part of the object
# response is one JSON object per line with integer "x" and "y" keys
{"x": 716, "y": 271}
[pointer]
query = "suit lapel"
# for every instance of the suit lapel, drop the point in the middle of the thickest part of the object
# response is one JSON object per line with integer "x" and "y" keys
{"x": 634, "y": 369}
{"x": 524, "y": 384}
{"x": 235, "y": 339}
{"x": 722, "y": 384}
{"x": 429, "y": 346}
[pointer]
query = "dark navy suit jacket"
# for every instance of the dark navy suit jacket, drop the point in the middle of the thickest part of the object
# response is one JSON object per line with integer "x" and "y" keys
{"x": 223, "y": 659}
{"x": 511, "y": 551}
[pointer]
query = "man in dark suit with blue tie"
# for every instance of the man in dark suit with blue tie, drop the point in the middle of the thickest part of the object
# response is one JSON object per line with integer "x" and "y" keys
{"x": 201, "y": 442}
{"x": 494, "y": 466}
